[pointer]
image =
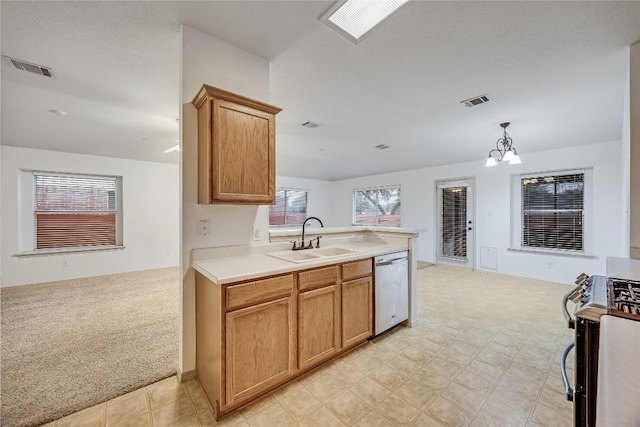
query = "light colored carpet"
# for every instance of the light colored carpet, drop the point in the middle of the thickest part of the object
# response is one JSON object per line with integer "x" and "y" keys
{"x": 72, "y": 344}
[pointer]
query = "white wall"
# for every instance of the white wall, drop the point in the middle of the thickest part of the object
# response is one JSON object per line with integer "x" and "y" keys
{"x": 150, "y": 217}
{"x": 493, "y": 207}
{"x": 205, "y": 59}
{"x": 626, "y": 165}
{"x": 319, "y": 201}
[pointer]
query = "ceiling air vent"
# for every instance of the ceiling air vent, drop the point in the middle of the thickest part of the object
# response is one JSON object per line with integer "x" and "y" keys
{"x": 310, "y": 125}
{"x": 472, "y": 102}
{"x": 27, "y": 66}
{"x": 382, "y": 147}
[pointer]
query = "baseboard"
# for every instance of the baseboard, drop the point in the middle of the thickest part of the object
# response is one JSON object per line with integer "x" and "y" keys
{"x": 186, "y": 376}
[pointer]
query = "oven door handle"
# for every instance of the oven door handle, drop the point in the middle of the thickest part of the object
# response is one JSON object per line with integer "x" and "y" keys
{"x": 571, "y": 323}
{"x": 563, "y": 370}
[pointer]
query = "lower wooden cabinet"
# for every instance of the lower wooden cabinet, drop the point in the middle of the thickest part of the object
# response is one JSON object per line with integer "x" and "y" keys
{"x": 253, "y": 336}
{"x": 318, "y": 325}
{"x": 260, "y": 348}
{"x": 357, "y": 311}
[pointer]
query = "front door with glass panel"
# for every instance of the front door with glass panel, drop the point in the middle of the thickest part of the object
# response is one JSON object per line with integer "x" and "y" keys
{"x": 455, "y": 225}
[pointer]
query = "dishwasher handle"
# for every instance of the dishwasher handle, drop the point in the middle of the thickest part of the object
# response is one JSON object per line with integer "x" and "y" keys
{"x": 563, "y": 370}
{"x": 391, "y": 261}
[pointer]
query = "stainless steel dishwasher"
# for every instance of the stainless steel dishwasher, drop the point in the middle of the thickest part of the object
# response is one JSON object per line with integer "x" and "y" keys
{"x": 392, "y": 290}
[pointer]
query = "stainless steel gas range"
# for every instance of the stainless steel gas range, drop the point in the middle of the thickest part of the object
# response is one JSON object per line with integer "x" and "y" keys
{"x": 594, "y": 296}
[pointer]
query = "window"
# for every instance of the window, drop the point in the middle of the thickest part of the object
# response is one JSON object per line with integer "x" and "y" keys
{"x": 290, "y": 207}
{"x": 553, "y": 211}
{"x": 75, "y": 211}
{"x": 377, "y": 206}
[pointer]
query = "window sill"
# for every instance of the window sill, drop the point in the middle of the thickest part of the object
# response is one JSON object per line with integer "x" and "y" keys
{"x": 64, "y": 251}
{"x": 559, "y": 252}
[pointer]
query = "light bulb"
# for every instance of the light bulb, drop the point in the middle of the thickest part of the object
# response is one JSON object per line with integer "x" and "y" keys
{"x": 491, "y": 161}
{"x": 508, "y": 156}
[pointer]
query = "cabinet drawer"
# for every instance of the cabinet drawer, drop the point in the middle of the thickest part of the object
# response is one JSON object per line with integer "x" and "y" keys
{"x": 259, "y": 291}
{"x": 318, "y": 277}
{"x": 356, "y": 269}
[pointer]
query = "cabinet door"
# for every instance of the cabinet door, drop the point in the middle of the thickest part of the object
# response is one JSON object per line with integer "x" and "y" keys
{"x": 318, "y": 325}
{"x": 243, "y": 154}
{"x": 356, "y": 311}
{"x": 260, "y": 350}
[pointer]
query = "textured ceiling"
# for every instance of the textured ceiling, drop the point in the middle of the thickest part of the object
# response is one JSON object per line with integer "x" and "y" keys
{"x": 556, "y": 70}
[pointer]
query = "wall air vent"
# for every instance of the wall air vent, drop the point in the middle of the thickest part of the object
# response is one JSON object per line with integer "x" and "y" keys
{"x": 27, "y": 66}
{"x": 310, "y": 125}
{"x": 477, "y": 100}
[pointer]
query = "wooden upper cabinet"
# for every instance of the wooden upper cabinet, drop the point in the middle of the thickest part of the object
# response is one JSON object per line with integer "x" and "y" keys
{"x": 236, "y": 148}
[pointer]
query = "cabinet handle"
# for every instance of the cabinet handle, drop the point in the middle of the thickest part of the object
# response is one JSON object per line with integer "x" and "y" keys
{"x": 563, "y": 370}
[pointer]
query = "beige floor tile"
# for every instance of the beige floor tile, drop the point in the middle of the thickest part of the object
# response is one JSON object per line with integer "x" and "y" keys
{"x": 556, "y": 401}
{"x": 418, "y": 355}
{"x": 301, "y": 404}
{"x": 374, "y": 419}
{"x": 258, "y": 406}
{"x": 370, "y": 391}
{"x": 348, "y": 407}
{"x": 463, "y": 397}
{"x": 189, "y": 422}
{"x": 432, "y": 379}
{"x": 499, "y": 360}
{"x": 363, "y": 363}
{"x": 418, "y": 394}
{"x": 199, "y": 401}
{"x": 275, "y": 415}
{"x": 127, "y": 411}
{"x": 234, "y": 420}
{"x": 174, "y": 412}
{"x": 321, "y": 418}
{"x": 387, "y": 376}
{"x": 90, "y": 417}
{"x": 345, "y": 374}
{"x": 476, "y": 383}
{"x": 481, "y": 368}
{"x": 445, "y": 368}
{"x": 165, "y": 391}
{"x": 287, "y": 391}
{"x": 398, "y": 410}
{"x": 403, "y": 365}
{"x": 426, "y": 421}
{"x": 325, "y": 388}
{"x": 448, "y": 413}
{"x": 546, "y": 416}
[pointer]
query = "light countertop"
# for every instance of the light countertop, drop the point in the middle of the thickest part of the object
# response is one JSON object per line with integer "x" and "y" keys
{"x": 228, "y": 269}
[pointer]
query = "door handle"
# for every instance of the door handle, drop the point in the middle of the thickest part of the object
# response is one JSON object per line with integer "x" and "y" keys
{"x": 563, "y": 370}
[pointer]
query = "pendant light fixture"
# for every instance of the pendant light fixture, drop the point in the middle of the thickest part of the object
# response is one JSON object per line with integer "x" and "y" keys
{"x": 504, "y": 150}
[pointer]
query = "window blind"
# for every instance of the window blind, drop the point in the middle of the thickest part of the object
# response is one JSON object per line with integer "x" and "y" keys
{"x": 553, "y": 211}
{"x": 290, "y": 207}
{"x": 454, "y": 222}
{"x": 377, "y": 206}
{"x": 74, "y": 211}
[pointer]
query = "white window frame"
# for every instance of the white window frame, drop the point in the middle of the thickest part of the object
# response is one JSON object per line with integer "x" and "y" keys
{"x": 382, "y": 187}
{"x": 285, "y": 189}
{"x": 516, "y": 213}
{"x": 26, "y": 215}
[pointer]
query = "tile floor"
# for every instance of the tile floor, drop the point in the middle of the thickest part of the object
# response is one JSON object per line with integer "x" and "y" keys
{"x": 484, "y": 353}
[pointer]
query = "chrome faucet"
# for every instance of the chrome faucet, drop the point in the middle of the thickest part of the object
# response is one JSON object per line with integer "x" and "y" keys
{"x": 310, "y": 246}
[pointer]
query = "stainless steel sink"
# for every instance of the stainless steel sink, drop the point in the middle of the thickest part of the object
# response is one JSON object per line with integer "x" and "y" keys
{"x": 311, "y": 254}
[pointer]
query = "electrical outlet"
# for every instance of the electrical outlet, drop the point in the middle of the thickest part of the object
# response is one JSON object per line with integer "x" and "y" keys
{"x": 343, "y": 240}
{"x": 65, "y": 263}
{"x": 203, "y": 227}
{"x": 550, "y": 264}
{"x": 257, "y": 232}
{"x": 359, "y": 239}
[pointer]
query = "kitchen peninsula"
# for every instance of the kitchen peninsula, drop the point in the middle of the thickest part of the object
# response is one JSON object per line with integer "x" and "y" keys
{"x": 262, "y": 321}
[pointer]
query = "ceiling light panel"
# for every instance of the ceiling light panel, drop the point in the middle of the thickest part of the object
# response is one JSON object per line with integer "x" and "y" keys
{"x": 354, "y": 18}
